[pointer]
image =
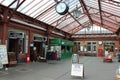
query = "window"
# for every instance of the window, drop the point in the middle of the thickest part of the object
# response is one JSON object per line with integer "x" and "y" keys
{"x": 89, "y": 46}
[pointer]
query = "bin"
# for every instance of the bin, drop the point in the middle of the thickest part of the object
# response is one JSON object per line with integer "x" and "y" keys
{"x": 75, "y": 58}
{"x": 27, "y": 58}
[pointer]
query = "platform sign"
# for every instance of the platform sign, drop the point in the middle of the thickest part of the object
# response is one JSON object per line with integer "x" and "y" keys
{"x": 3, "y": 54}
{"x": 77, "y": 70}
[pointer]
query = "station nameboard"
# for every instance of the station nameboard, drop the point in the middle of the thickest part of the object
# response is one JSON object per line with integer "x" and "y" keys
{"x": 3, "y": 54}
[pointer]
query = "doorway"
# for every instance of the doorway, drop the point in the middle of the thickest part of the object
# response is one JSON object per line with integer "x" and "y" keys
{"x": 15, "y": 47}
{"x": 37, "y": 50}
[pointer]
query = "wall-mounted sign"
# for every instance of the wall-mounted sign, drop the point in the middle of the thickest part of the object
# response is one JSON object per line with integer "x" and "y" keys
{"x": 16, "y": 35}
{"x": 77, "y": 70}
{"x": 40, "y": 39}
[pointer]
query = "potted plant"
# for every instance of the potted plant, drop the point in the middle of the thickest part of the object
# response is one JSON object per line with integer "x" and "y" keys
{"x": 106, "y": 50}
{"x": 85, "y": 47}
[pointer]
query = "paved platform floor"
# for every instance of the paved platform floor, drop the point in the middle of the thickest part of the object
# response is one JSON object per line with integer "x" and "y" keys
{"x": 95, "y": 69}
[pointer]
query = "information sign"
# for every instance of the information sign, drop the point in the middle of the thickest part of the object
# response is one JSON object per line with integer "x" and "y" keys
{"x": 77, "y": 70}
{"x": 3, "y": 54}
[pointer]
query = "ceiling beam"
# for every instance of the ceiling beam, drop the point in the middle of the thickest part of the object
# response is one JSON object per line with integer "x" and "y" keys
{"x": 110, "y": 22}
{"x": 73, "y": 22}
{"x": 108, "y": 19}
{"x": 12, "y": 3}
{"x": 86, "y": 10}
{"x": 110, "y": 28}
{"x": 75, "y": 19}
{"x": 59, "y": 19}
{"x": 118, "y": 31}
{"x": 14, "y": 10}
{"x": 100, "y": 11}
{"x": 77, "y": 28}
{"x": 94, "y": 38}
{"x": 96, "y": 34}
{"x": 105, "y": 12}
{"x": 29, "y": 20}
{"x": 67, "y": 25}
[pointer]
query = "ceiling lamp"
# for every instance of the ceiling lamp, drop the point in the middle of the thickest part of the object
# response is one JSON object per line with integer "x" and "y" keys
{"x": 76, "y": 12}
{"x": 88, "y": 28}
{"x": 57, "y": 1}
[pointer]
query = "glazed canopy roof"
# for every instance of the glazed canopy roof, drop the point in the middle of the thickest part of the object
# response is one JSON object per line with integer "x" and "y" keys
{"x": 95, "y": 16}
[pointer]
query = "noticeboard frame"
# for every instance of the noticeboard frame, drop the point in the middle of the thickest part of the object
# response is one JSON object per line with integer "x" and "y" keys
{"x": 77, "y": 69}
{"x": 3, "y": 54}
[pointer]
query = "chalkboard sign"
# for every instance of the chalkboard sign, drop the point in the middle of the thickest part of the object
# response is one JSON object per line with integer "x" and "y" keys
{"x": 3, "y": 54}
{"x": 77, "y": 70}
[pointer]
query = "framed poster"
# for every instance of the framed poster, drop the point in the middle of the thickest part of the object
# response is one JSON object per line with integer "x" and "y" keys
{"x": 3, "y": 54}
{"x": 77, "y": 70}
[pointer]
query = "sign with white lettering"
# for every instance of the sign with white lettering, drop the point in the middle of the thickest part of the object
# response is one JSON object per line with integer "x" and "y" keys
{"x": 77, "y": 70}
{"x": 3, "y": 54}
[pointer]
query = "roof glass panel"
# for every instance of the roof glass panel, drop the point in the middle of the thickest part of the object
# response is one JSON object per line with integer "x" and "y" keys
{"x": 72, "y": 4}
{"x": 44, "y": 10}
{"x": 35, "y": 7}
{"x": 83, "y": 20}
{"x": 105, "y": 24}
{"x": 92, "y": 3}
{"x": 27, "y": 9}
{"x": 51, "y": 13}
{"x": 6, "y": 2}
{"x": 54, "y": 20}
{"x": 93, "y": 30}
{"x": 60, "y": 19}
{"x": 117, "y": 0}
{"x": 41, "y": 9}
{"x": 110, "y": 8}
{"x": 65, "y": 23}
{"x": 70, "y": 27}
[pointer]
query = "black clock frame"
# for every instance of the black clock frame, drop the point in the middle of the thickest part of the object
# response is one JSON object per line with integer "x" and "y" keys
{"x": 66, "y": 10}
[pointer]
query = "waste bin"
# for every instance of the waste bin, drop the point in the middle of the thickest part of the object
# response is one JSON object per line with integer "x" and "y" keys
{"x": 27, "y": 58}
{"x": 75, "y": 58}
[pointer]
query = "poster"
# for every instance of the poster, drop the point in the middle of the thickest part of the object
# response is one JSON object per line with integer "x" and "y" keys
{"x": 3, "y": 54}
{"x": 77, "y": 70}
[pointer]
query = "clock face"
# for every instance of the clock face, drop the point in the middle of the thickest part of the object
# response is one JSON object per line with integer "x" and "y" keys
{"x": 100, "y": 42}
{"x": 61, "y": 8}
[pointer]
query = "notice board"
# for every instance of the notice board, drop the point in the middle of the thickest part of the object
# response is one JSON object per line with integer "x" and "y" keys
{"x": 77, "y": 70}
{"x": 3, "y": 54}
